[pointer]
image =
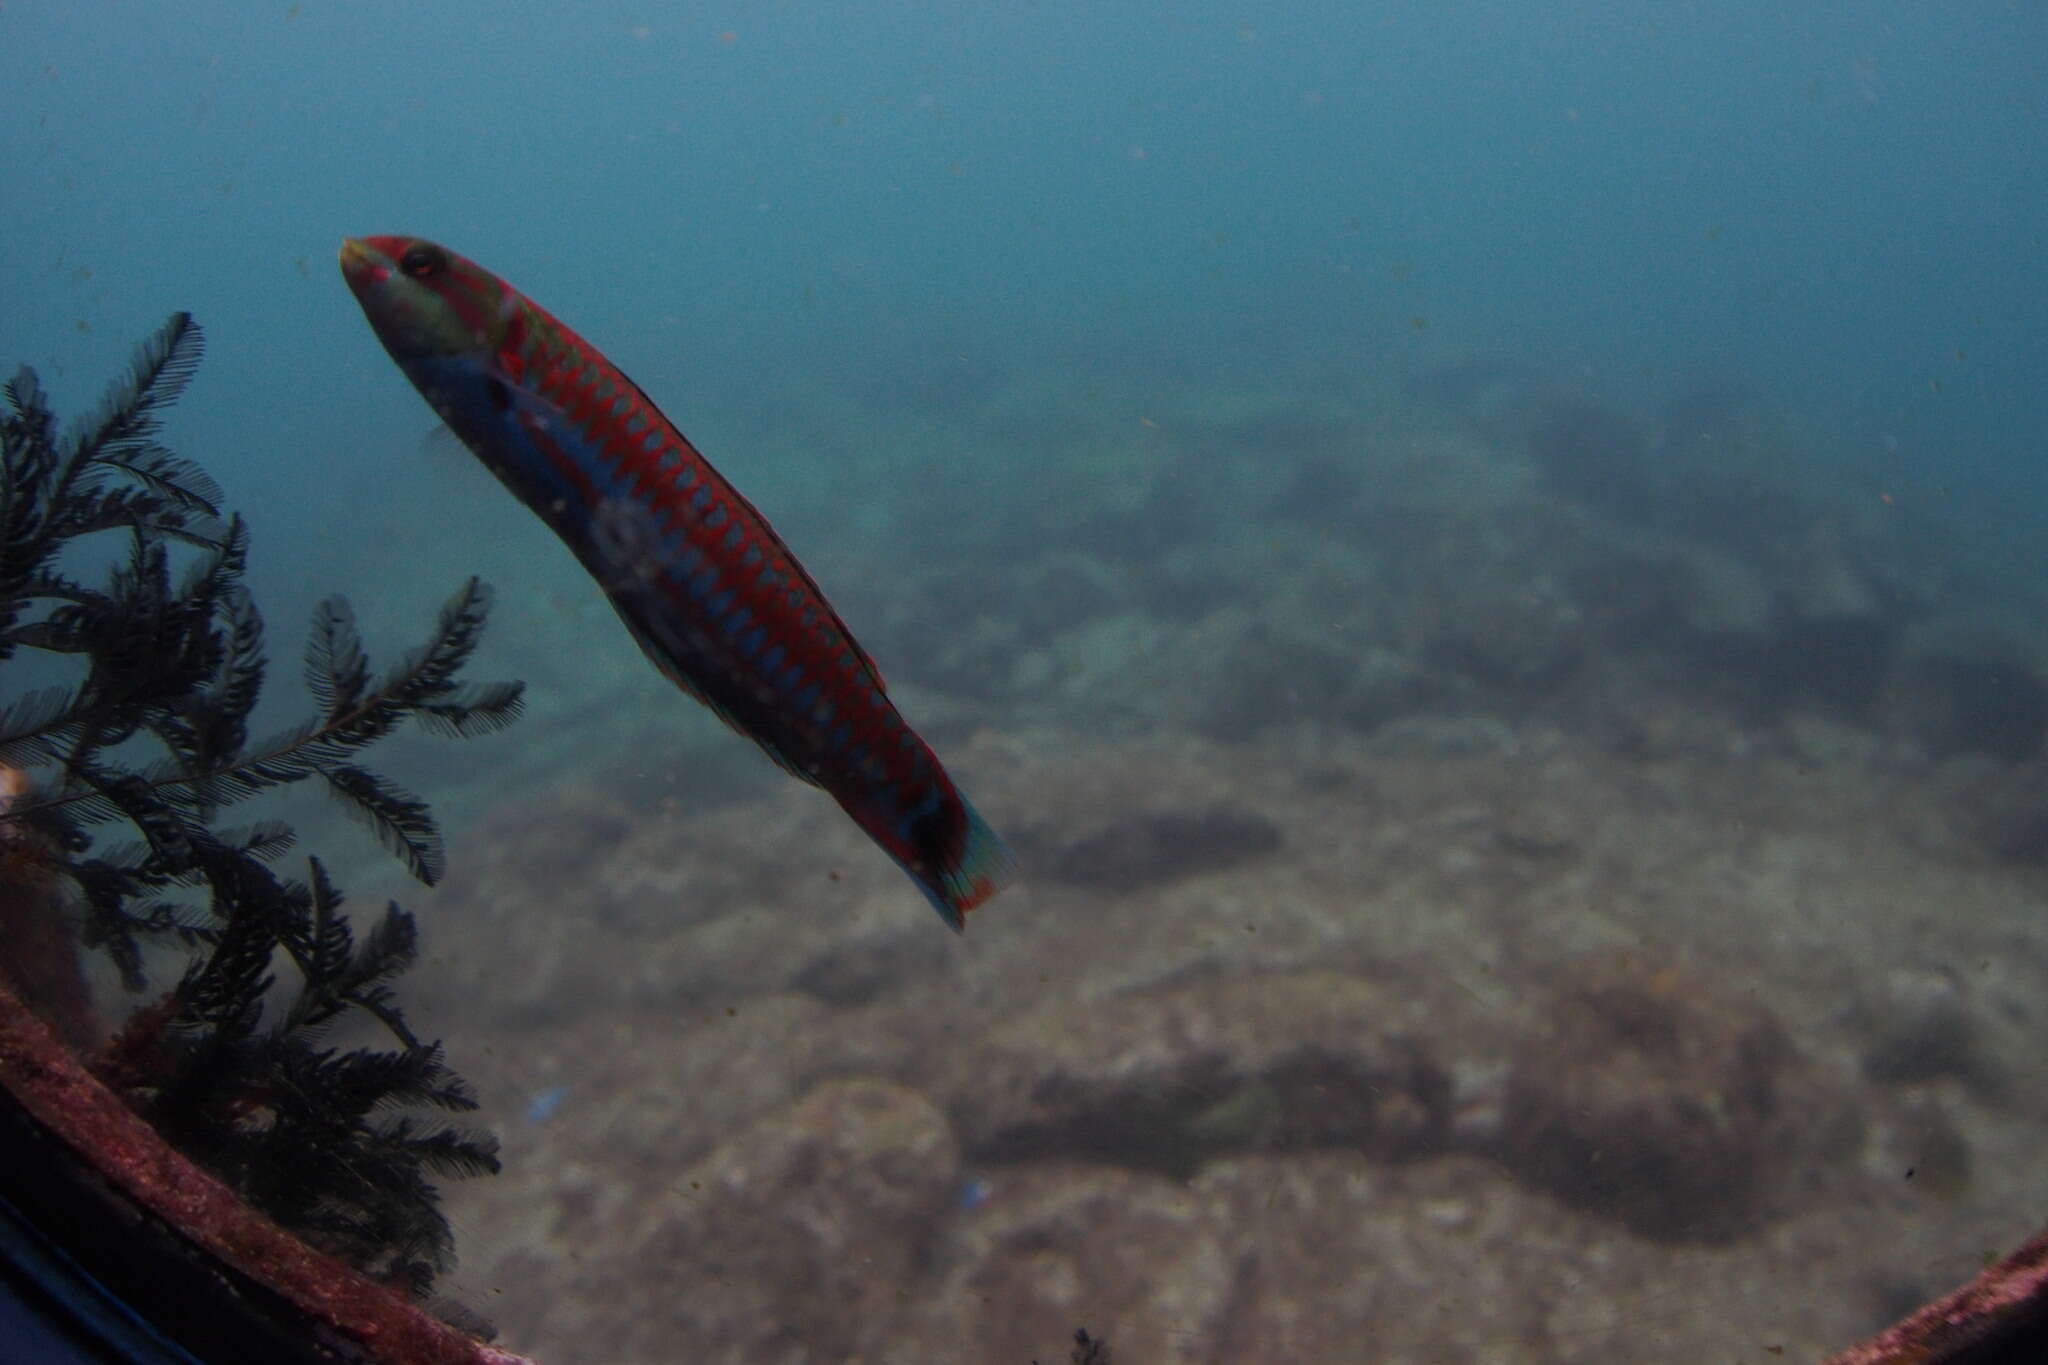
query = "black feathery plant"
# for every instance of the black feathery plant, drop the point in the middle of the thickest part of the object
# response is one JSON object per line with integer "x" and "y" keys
{"x": 173, "y": 661}
{"x": 264, "y": 1106}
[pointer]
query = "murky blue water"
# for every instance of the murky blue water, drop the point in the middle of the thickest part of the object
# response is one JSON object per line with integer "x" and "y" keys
{"x": 1837, "y": 205}
{"x": 951, "y": 292}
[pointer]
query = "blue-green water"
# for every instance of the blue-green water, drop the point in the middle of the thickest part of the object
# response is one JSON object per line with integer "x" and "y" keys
{"x": 1620, "y": 421}
{"x": 1840, "y": 206}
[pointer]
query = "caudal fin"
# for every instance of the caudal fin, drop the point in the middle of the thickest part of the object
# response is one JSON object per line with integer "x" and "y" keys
{"x": 979, "y": 866}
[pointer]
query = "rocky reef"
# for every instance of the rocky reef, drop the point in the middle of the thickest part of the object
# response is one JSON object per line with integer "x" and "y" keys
{"x": 1653, "y": 1098}
{"x": 1243, "y": 1109}
{"x": 1475, "y": 905}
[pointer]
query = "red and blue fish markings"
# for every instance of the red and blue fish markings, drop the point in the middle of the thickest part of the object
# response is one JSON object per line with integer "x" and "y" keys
{"x": 704, "y": 585}
{"x": 738, "y": 621}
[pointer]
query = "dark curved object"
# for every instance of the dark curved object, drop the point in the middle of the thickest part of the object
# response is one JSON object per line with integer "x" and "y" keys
{"x": 1999, "y": 1318}
{"x": 88, "y": 1276}
{"x": 115, "y": 1248}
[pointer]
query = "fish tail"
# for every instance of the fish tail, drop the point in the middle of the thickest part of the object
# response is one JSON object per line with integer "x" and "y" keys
{"x": 948, "y": 850}
{"x": 979, "y": 867}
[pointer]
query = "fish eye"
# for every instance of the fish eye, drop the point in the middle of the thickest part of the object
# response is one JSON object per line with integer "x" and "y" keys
{"x": 423, "y": 261}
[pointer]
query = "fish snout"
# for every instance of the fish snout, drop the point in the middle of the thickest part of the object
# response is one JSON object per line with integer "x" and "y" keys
{"x": 362, "y": 265}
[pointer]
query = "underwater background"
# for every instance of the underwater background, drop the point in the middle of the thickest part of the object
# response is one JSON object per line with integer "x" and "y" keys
{"x": 1485, "y": 558}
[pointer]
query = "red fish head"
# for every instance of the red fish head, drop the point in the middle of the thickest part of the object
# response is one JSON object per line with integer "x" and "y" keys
{"x": 423, "y": 299}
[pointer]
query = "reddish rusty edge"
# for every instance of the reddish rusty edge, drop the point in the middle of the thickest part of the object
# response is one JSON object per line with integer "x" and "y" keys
{"x": 44, "y": 1077}
{"x": 1930, "y": 1335}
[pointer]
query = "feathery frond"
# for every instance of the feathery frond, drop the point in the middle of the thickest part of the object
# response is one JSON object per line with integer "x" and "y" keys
{"x": 152, "y": 743}
{"x": 337, "y": 670}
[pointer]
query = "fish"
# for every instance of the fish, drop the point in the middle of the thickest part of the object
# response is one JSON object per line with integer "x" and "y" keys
{"x": 706, "y": 587}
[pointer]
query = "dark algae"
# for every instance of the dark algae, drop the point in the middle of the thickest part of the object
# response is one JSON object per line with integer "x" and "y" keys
{"x": 116, "y": 788}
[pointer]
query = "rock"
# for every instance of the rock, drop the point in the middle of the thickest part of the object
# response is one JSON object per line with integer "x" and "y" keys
{"x": 1537, "y": 826}
{"x": 1139, "y": 1261}
{"x": 1593, "y": 455}
{"x": 1439, "y": 737}
{"x": 789, "y": 1242}
{"x": 1716, "y": 594}
{"x": 719, "y": 1068}
{"x": 1921, "y": 1146}
{"x": 972, "y": 633}
{"x": 1971, "y": 683}
{"x": 2000, "y": 808}
{"x": 1490, "y": 595}
{"x": 676, "y": 914}
{"x": 1151, "y": 848}
{"x": 1234, "y": 671}
{"x": 1441, "y": 1260}
{"x": 856, "y": 970}
{"x": 1655, "y": 1100}
{"x": 1825, "y": 742}
{"x": 1926, "y": 1031}
{"x": 1829, "y": 585}
{"x": 1169, "y": 1078}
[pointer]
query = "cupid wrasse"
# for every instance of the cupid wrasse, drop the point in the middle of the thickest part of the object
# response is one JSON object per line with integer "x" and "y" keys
{"x": 702, "y": 581}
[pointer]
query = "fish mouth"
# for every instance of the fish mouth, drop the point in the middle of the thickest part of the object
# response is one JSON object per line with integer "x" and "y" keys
{"x": 362, "y": 265}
